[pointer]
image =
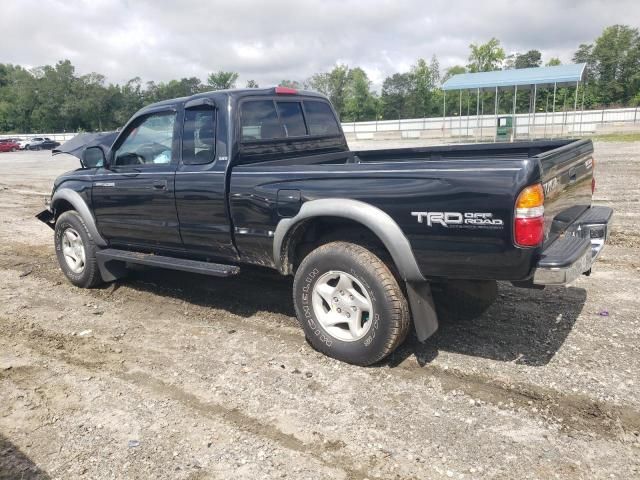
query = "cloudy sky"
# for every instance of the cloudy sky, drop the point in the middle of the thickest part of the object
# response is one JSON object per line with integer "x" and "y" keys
{"x": 271, "y": 40}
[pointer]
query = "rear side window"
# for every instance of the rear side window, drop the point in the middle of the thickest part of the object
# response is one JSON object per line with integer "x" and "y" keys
{"x": 199, "y": 135}
{"x": 292, "y": 119}
{"x": 259, "y": 121}
{"x": 320, "y": 118}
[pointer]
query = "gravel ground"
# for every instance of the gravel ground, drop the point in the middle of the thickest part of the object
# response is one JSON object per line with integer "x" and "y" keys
{"x": 169, "y": 375}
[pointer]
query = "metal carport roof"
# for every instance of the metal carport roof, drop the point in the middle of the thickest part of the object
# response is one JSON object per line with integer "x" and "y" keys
{"x": 560, "y": 74}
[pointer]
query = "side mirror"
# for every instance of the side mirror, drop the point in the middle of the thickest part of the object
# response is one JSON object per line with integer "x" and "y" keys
{"x": 94, "y": 157}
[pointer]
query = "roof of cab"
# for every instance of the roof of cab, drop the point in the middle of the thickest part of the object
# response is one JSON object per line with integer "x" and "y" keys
{"x": 235, "y": 92}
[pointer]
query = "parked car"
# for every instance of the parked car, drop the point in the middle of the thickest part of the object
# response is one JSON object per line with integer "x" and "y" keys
{"x": 376, "y": 240}
{"x": 23, "y": 142}
{"x": 41, "y": 143}
{"x": 9, "y": 145}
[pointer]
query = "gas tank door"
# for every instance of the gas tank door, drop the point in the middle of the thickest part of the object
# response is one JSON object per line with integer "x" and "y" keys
{"x": 288, "y": 203}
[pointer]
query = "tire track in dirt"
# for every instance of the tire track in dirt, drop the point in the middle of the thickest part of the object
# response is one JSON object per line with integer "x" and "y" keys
{"x": 73, "y": 351}
{"x": 573, "y": 412}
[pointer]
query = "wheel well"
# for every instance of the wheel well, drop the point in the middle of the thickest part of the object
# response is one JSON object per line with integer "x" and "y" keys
{"x": 310, "y": 234}
{"x": 62, "y": 206}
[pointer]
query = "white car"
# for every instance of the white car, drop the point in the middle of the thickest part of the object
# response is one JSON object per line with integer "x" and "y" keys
{"x": 23, "y": 142}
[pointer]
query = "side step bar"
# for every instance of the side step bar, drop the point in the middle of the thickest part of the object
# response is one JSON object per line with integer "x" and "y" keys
{"x": 112, "y": 264}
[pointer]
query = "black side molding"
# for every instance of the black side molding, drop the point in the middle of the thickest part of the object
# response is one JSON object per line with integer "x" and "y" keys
{"x": 112, "y": 264}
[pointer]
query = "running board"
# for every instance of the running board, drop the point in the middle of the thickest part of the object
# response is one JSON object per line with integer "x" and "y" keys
{"x": 112, "y": 264}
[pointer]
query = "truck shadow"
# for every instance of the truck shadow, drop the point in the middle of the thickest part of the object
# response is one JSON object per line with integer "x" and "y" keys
{"x": 523, "y": 326}
{"x": 14, "y": 464}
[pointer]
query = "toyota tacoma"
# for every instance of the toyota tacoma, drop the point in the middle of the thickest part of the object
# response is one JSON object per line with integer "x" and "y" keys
{"x": 378, "y": 241}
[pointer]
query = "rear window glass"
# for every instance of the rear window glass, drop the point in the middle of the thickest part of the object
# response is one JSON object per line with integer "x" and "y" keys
{"x": 292, "y": 119}
{"x": 259, "y": 121}
{"x": 320, "y": 118}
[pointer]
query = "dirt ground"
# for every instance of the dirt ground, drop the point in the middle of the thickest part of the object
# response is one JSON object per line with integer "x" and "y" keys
{"x": 176, "y": 376}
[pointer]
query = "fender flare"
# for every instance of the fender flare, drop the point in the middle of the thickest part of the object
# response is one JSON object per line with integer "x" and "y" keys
{"x": 80, "y": 206}
{"x": 379, "y": 222}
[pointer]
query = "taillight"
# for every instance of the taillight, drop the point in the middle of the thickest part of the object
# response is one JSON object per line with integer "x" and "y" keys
{"x": 529, "y": 217}
{"x": 593, "y": 175}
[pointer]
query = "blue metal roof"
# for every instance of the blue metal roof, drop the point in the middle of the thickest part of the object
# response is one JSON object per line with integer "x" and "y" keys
{"x": 560, "y": 74}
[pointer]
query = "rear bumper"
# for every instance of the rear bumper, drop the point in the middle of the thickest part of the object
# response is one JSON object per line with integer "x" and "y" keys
{"x": 574, "y": 253}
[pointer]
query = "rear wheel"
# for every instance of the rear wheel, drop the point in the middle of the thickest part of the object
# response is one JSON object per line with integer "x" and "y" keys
{"x": 76, "y": 251}
{"x": 350, "y": 304}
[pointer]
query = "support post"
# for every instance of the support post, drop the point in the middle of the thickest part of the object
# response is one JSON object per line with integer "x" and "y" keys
{"x": 495, "y": 113}
{"x": 535, "y": 97}
{"x": 444, "y": 111}
{"x": 460, "y": 119}
{"x": 468, "y": 106}
{"x": 564, "y": 115}
{"x": 482, "y": 119}
{"x": 575, "y": 107}
{"x": 514, "y": 132}
{"x": 546, "y": 114}
{"x": 584, "y": 88}
{"x": 553, "y": 111}
{"x": 475, "y": 133}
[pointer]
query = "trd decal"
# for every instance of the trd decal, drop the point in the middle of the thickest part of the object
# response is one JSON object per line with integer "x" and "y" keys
{"x": 458, "y": 219}
{"x": 550, "y": 186}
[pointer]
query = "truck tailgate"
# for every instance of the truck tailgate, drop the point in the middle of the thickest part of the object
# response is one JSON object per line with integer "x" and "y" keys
{"x": 567, "y": 172}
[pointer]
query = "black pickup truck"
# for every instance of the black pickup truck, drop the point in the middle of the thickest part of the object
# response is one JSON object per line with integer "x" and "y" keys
{"x": 376, "y": 240}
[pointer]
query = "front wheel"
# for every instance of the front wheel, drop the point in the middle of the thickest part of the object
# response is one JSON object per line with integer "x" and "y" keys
{"x": 76, "y": 251}
{"x": 350, "y": 304}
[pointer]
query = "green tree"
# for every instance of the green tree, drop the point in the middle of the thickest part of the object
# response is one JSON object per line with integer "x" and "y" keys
{"x": 553, "y": 62}
{"x": 360, "y": 102}
{"x": 486, "y": 57}
{"x": 531, "y": 59}
{"x": 252, "y": 84}
{"x": 222, "y": 80}
{"x": 423, "y": 84}
{"x": 615, "y": 64}
{"x": 290, "y": 84}
{"x": 333, "y": 84}
{"x": 455, "y": 70}
{"x": 395, "y": 97}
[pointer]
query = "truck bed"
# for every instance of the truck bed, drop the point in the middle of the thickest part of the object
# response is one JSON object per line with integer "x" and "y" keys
{"x": 479, "y": 178}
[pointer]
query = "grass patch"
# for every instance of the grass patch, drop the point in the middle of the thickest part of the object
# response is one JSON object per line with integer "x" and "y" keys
{"x": 617, "y": 137}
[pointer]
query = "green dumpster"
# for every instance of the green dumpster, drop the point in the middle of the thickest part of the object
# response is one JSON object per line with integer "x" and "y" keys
{"x": 505, "y": 128}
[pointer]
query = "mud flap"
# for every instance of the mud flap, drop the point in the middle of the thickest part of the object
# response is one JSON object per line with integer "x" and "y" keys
{"x": 46, "y": 217}
{"x": 423, "y": 309}
{"x": 111, "y": 270}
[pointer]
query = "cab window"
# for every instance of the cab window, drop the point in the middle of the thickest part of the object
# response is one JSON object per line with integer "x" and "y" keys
{"x": 292, "y": 119}
{"x": 259, "y": 121}
{"x": 320, "y": 118}
{"x": 148, "y": 142}
{"x": 199, "y": 135}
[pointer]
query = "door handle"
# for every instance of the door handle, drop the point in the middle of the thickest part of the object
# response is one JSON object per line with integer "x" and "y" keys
{"x": 159, "y": 184}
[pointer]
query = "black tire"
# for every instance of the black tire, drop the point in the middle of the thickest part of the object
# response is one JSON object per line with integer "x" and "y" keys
{"x": 89, "y": 277}
{"x": 390, "y": 318}
{"x": 463, "y": 300}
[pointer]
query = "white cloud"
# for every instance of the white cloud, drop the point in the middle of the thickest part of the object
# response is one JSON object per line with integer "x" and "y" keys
{"x": 275, "y": 40}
